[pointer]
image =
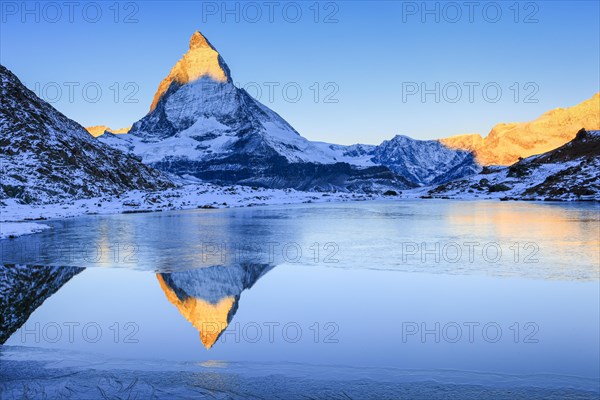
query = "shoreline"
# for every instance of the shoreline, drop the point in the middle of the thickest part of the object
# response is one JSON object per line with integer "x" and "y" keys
{"x": 20, "y": 219}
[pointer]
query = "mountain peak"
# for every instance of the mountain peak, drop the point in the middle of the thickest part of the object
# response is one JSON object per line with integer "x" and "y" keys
{"x": 201, "y": 60}
{"x": 199, "y": 41}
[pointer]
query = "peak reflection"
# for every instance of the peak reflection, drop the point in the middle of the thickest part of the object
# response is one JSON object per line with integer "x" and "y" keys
{"x": 208, "y": 297}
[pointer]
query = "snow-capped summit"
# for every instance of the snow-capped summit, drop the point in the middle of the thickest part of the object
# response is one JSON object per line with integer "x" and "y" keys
{"x": 201, "y": 125}
{"x": 422, "y": 162}
{"x": 202, "y": 59}
{"x": 199, "y": 114}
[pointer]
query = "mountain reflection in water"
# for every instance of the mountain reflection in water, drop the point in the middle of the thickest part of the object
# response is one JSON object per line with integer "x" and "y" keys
{"x": 209, "y": 297}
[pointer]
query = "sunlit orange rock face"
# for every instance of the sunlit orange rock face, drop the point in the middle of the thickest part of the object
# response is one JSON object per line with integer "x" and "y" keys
{"x": 201, "y": 60}
{"x": 507, "y": 142}
{"x": 99, "y": 130}
{"x": 210, "y": 319}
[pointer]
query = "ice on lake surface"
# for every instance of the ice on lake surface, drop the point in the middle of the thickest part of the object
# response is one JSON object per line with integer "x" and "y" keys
{"x": 420, "y": 299}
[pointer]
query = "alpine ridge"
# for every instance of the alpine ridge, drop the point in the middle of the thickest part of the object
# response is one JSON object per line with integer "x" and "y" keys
{"x": 506, "y": 143}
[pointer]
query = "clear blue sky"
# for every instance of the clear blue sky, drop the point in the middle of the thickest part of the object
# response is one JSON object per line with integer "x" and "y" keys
{"x": 369, "y": 51}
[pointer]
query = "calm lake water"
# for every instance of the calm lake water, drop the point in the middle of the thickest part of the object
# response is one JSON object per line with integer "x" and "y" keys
{"x": 364, "y": 298}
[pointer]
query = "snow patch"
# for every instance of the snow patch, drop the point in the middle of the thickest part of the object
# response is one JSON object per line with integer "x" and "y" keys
{"x": 14, "y": 229}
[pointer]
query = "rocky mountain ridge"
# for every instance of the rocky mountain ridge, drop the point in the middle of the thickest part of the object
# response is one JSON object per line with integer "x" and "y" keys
{"x": 46, "y": 157}
{"x": 507, "y": 142}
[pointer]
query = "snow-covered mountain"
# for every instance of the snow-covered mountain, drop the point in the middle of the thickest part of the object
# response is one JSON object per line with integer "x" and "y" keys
{"x": 422, "y": 162}
{"x": 200, "y": 124}
{"x": 570, "y": 172}
{"x": 425, "y": 161}
{"x": 199, "y": 115}
{"x": 46, "y": 157}
{"x": 23, "y": 288}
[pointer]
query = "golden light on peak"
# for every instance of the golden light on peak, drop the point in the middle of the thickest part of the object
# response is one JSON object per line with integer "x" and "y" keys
{"x": 201, "y": 60}
{"x": 98, "y": 130}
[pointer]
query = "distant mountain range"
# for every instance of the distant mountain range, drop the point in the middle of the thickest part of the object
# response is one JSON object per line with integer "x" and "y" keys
{"x": 99, "y": 130}
{"x": 570, "y": 172}
{"x": 201, "y": 126}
